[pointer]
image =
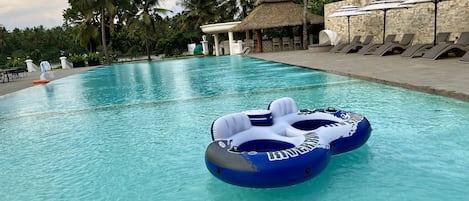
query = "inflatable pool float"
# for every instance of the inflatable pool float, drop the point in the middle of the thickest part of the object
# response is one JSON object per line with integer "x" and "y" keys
{"x": 40, "y": 81}
{"x": 282, "y": 145}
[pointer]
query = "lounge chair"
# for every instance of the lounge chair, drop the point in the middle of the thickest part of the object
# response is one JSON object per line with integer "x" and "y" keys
{"x": 350, "y": 48}
{"x": 297, "y": 42}
{"x": 459, "y": 48}
{"x": 390, "y": 47}
{"x": 465, "y": 57}
{"x": 419, "y": 49}
{"x": 338, "y": 47}
{"x": 250, "y": 43}
{"x": 16, "y": 72}
{"x": 286, "y": 43}
{"x": 4, "y": 76}
{"x": 373, "y": 46}
{"x": 276, "y": 44}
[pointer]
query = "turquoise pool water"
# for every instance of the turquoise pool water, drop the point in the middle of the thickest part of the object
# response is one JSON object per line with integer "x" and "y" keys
{"x": 139, "y": 132}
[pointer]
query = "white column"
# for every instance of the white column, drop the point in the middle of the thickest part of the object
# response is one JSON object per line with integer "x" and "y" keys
{"x": 204, "y": 45}
{"x": 65, "y": 63}
{"x": 230, "y": 40}
{"x": 217, "y": 49}
{"x": 30, "y": 65}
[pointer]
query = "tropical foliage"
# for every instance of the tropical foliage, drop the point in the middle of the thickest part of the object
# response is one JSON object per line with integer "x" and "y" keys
{"x": 93, "y": 59}
{"x": 36, "y": 43}
{"x": 125, "y": 28}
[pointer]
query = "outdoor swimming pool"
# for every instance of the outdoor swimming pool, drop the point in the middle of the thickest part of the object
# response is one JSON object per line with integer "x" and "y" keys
{"x": 139, "y": 132}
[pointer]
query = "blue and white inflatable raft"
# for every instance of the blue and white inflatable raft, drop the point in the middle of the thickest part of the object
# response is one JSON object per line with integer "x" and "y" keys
{"x": 282, "y": 145}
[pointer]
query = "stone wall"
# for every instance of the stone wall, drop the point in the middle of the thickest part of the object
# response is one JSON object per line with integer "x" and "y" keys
{"x": 453, "y": 16}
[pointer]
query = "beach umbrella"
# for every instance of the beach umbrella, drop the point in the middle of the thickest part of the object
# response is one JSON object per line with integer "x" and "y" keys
{"x": 409, "y": 2}
{"x": 347, "y": 11}
{"x": 385, "y": 5}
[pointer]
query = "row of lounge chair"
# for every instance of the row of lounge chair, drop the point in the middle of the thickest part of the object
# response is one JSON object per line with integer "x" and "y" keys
{"x": 12, "y": 73}
{"x": 442, "y": 46}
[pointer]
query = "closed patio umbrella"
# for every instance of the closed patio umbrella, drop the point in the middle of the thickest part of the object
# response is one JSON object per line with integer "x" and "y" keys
{"x": 407, "y": 2}
{"x": 348, "y": 10}
{"x": 385, "y": 5}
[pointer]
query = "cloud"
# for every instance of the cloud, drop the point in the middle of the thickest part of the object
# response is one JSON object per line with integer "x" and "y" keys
{"x": 22, "y": 14}
{"x": 33, "y": 13}
{"x": 171, "y": 5}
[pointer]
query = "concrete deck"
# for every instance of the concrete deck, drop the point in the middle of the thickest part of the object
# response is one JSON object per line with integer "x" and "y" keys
{"x": 446, "y": 77}
{"x": 26, "y": 80}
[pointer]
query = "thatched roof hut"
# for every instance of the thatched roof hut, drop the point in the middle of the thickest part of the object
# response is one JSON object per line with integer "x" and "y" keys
{"x": 276, "y": 13}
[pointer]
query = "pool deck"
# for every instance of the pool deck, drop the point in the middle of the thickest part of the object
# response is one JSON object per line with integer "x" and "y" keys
{"x": 445, "y": 77}
{"x": 26, "y": 80}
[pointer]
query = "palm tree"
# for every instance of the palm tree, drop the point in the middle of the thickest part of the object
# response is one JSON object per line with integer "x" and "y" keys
{"x": 246, "y": 8}
{"x": 144, "y": 23}
{"x": 199, "y": 12}
{"x": 87, "y": 10}
{"x": 85, "y": 33}
{"x": 3, "y": 36}
{"x": 106, "y": 9}
{"x": 228, "y": 9}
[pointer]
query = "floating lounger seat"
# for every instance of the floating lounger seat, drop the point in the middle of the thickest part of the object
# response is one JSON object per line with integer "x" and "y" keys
{"x": 282, "y": 145}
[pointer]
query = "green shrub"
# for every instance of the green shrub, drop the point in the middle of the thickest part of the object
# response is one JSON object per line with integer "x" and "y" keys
{"x": 93, "y": 59}
{"x": 36, "y": 55}
{"x": 77, "y": 60}
{"x": 16, "y": 62}
{"x": 19, "y": 54}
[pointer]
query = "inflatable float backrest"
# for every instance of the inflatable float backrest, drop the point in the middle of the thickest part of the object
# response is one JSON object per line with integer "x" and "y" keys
{"x": 282, "y": 107}
{"x": 229, "y": 125}
{"x": 45, "y": 66}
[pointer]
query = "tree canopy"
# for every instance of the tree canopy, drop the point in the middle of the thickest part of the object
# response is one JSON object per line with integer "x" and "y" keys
{"x": 125, "y": 28}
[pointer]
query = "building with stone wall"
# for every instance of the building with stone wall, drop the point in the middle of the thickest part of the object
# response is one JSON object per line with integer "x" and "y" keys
{"x": 453, "y": 16}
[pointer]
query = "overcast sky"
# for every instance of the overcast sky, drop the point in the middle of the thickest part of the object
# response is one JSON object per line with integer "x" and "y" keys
{"x": 31, "y": 13}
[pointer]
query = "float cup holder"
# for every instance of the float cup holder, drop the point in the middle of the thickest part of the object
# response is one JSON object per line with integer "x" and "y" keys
{"x": 260, "y": 117}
